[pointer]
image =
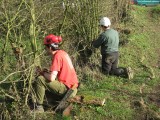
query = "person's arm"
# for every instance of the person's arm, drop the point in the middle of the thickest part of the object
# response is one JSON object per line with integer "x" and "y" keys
{"x": 97, "y": 43}
{"x": 50, "y": 76}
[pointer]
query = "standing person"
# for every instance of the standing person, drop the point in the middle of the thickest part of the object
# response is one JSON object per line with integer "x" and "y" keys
{"x": 61, "y": 68}
{"x": 109, "y": 42}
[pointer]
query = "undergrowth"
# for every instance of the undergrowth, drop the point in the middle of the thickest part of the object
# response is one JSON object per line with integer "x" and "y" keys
{"x": 125, "y": 99}
{"x": 121, "y": 94}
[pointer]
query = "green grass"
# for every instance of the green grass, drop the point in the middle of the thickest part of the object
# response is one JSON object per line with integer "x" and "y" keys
{"x": 119, "y": 92}
{"x": 156, "y": 12}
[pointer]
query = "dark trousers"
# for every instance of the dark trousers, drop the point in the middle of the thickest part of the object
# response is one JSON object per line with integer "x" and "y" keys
{"x": 110, "y": 64}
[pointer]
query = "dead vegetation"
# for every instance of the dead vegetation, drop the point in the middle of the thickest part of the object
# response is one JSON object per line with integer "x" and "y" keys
{"x": 23, "y": 25}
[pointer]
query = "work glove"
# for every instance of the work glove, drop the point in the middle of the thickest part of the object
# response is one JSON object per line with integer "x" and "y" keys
{"x": 40, "y": 72}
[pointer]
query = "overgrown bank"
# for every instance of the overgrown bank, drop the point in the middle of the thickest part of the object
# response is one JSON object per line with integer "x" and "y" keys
{"x": 126, "y": 100}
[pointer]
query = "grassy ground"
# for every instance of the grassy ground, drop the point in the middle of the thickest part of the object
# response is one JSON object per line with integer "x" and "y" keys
{"x": 136, "y": 99}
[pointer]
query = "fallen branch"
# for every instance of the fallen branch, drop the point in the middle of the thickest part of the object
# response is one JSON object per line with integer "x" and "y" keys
{"x": 82, "y": 100}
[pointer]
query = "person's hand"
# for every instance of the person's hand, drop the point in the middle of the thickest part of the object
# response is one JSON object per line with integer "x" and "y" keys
{"x": 45, "y": 70}
{"x": 39, "y": 71}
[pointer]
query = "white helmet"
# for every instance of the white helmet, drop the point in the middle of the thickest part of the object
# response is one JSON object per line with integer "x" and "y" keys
{"x": 105, "y": 21}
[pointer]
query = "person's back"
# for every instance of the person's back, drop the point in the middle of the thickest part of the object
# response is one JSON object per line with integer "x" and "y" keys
{"x": 61, "y": 68}
{"x": 111, "y": 42}
{"x": 66, "y": 72}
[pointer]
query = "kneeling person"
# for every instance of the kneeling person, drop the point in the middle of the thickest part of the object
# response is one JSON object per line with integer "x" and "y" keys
{"x": 61, "y": 68}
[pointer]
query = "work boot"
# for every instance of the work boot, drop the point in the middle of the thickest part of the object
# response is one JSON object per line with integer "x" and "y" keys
{"x": 39, "y": 109}
{"x": 129, "y": 73}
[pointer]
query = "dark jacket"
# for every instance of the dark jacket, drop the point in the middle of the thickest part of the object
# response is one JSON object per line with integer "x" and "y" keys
{"x": 108, "y": 40}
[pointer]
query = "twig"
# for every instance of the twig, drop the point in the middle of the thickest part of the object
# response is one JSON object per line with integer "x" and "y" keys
{"x": 19, "y": 71}
{"x": 5, "y": 94}
{"x": 15, "y": 73}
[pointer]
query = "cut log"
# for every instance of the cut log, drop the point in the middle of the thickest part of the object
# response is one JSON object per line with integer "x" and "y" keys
{"x": 85, "y": 100}
{"x": 67, "y": 110}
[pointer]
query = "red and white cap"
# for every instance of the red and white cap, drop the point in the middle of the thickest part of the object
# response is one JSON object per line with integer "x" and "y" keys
{"x": 50, "y": 39}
